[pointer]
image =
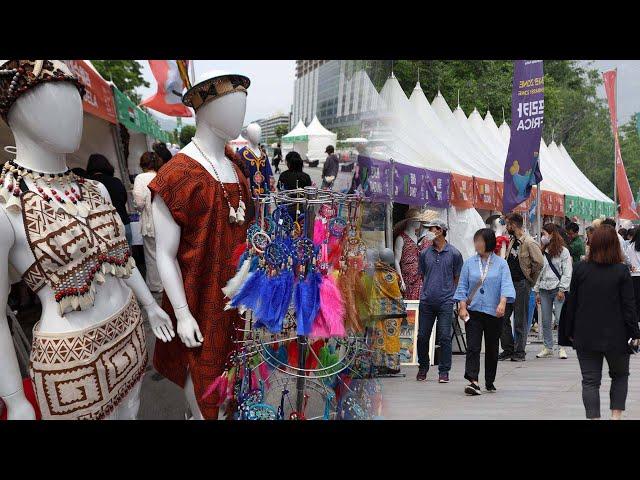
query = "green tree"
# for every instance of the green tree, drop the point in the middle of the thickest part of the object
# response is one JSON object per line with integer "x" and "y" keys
{"x": 126, "y": 74}
{"x": 281, "y": 130}
{"x": 186, "y": 134}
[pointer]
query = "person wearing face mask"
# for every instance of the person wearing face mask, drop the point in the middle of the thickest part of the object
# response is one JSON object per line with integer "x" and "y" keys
{"x": 552, "y": 285}
{"x": 525, "y": 263}
{"x": 440, "y": 267}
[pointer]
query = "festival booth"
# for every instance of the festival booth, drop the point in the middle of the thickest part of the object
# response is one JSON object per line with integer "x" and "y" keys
{"x": 318, "y": 140}
{"x": 296, "y": 140}
{"x": 239, "y": 142}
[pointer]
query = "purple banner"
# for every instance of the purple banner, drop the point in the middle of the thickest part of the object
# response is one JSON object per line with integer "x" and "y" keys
{"x": 408, "y": 185}
{"x": 522, "y": 167}
{"x": 437, "y": 186}
{"x": 372, "y": 178}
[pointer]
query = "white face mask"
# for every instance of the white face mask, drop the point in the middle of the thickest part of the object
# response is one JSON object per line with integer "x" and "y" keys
{"x": 430, "y": 236}
{"x": 545, "y": 240}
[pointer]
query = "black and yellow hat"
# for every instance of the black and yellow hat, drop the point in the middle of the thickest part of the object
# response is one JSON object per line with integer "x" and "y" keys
{"x": 214, "y": 84}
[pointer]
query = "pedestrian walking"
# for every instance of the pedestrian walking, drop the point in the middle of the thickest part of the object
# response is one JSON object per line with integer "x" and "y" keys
{"x": 484, "y": 291}
{"x": 330, "y": 169}
{"x": 277, "y": 158}
{"x": 525, "y": 262}
{"x": 552, "y": 285}
{"x": 576, "y": 244}
{"x": 633, "y": 252}
{"x": 150, "y": 163}
{"x": 601, "y": 321}
{"x": 440, "y": 266}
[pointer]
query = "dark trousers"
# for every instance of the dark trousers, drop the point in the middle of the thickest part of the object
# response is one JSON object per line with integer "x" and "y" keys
{"x": 520, "y": 311}
{"x": 426, "y": 318}
{"x": 481, "y": 323}
{"x": 636, "y": 291}
{"x": 591, "y": 367}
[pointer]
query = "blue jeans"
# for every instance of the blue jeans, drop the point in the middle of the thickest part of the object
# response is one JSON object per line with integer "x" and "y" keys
{"x": 426, "y": 318}
{"x": 550, "y": 306}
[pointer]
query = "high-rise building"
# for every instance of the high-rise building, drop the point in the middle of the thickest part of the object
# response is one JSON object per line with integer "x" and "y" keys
{"x": 269, "y": 125}
{"x": 336, "y": 91}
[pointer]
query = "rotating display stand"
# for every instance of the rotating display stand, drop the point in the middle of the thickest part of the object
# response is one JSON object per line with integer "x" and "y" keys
{"x": 278, "y": 373}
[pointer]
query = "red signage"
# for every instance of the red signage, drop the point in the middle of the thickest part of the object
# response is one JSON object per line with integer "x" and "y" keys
{"x": 461, "y": 191}
{"x": 98, "y": 99}
{"x": 552, "y": 204}
{"x": 484, "y": 194}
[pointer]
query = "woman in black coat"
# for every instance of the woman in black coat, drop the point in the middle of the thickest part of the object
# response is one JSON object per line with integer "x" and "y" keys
{"x": 601, "y": 319}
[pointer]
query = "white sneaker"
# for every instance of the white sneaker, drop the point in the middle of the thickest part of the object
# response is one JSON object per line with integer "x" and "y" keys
{"x": 545, "y": 352}
{"x": 534, "y": 328}
{"x": 562, "y": 353}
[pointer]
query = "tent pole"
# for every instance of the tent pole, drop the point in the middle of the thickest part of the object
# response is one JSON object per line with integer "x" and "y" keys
{"x": 389, "y": 209}
{"x": 538, "y": 213}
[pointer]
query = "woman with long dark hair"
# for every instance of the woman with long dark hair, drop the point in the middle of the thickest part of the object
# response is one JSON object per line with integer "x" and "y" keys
{"x": 601, "y": 321}
{"x": 552, "y": 284}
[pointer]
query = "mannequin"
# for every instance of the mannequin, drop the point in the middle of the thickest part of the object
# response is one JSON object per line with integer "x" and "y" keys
{"x": 219, "y": 119}
{"x": 407, "y": 252}
{"x": 46, "y": 122}
{"x": 502, "y": 237}
{"x": 260, "y": 174}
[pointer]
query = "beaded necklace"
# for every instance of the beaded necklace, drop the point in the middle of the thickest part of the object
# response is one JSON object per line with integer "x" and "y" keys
{"x": 235, "y": 216}
{"x": 69, "y": 199}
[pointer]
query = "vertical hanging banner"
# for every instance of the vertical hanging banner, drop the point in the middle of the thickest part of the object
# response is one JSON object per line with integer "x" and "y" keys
{"x": 169, "y": 75}
{"x": 522, "y": 167}
{"x": 461, "y": 191}
{"x": 436, "y": 188}
{"x": 625, "y": 196}
{"x": 408, "y": 185}
{"x": 374, "y": 178}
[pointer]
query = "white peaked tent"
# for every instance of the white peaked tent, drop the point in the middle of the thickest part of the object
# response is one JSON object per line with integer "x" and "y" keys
{"x": 582, "y": 177}
{"x": 318, "y": 140}
{"x": 296, "y": 140}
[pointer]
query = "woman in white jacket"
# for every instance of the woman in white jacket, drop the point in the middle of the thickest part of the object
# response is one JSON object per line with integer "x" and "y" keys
{"x": 552, "y": 284}
{"x": 150, "y": 162}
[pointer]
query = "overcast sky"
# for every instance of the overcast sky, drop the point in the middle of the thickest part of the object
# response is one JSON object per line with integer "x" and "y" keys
{"x": 271, "y": 89}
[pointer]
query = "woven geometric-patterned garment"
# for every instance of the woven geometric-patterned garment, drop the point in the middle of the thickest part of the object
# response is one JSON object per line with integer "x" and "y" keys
{"x": 72, "y": 255}
{"x": 386, "y": 299}
{"x": 84, "y": 375}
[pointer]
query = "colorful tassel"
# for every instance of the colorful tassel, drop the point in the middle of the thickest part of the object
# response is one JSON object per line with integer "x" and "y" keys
{"x": 213, "y": 387}
{"x": 319, "y": 231}
{"x": 249, "y": 293}
{"x": 332, "y": 307}
{"x": 307, "y": 302}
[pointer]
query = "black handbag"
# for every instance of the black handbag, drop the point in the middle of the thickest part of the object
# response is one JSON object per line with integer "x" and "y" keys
{"x": 563, "y": 336}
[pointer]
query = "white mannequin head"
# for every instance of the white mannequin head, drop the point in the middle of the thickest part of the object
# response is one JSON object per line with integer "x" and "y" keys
{"x": 254, "y": 133}
{"x": 49, "y": 115}
{"x": 224, "y": 116}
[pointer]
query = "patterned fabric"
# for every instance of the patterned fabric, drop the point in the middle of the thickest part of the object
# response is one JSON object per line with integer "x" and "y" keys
{"x": 259, "y": 171}
{"x": 386, "y": 299}
{"x": 207, "y": 240}
{"x": 84, "y": 375}
{"x": 386, "y": 343}
{"x": 19, "y": 76}
{"x": 409, "y": 268}
{"x": 214, "y": 88}
{"x": 72, "y": 255}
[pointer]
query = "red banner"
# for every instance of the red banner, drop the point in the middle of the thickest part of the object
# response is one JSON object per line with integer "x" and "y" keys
{"x": 98, "y": 99}
{"x": 552, "y": 203}
{"x": 625, "y": 196}
{"x": 485, "y": 194}
{"x": 168, "y": 96}
{"x": 461, "y": 191}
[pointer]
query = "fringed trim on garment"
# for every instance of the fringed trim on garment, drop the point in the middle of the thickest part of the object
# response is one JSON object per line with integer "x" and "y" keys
{"x": 74, "y": 299}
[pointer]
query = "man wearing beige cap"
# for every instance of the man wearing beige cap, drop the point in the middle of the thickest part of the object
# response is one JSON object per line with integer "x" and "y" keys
{"x": 440, "y": 265}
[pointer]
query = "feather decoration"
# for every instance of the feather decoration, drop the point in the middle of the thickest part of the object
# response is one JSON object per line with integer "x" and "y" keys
{"x": 264, "y": 374}
{"x": 282, "y": 355}
{"x": 213, "y": 387}
{"x": 231, "y": 383}
{"x": 282, "y": 303}
{"x": 332, "y": 307}
{"x": 238, "y": 252}
{"x": 312, "y": 360}
{"x": 292, "y": 351}
{"x": 319, "y": 231}
{"x": 235, "y": 283}
{"x": 255, "y": 263}
{"x": 335, "y": 250}
{"x": 248, "y": 295}
{"x": 264, "y": 312}
{"x": 307, "y": 301}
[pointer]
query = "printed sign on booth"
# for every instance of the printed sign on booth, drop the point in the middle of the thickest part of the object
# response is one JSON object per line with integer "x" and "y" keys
{"x": 98, "y": 99}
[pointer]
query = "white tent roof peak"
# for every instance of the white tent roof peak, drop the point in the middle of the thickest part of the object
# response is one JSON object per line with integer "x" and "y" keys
{"x": 316, "y": 128}
{"x": 298, "y": 130}
{"x": 418, "y": 86}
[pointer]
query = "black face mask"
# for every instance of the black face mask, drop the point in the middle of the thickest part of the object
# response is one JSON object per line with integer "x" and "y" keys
{"x": 511, "y": 231}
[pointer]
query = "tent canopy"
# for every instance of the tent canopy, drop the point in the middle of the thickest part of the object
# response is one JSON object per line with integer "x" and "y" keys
{"x": 319, "y": 138}
{"x": 298, "y": 134}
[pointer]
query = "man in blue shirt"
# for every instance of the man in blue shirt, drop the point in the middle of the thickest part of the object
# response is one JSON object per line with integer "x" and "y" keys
{"x": 440, "y": 266}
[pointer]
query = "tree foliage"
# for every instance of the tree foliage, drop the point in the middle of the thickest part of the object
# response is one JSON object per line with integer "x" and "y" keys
{"x": 126, "y": 74}
{"x": 186, "y": 134}
{"x": 574, "y": 114}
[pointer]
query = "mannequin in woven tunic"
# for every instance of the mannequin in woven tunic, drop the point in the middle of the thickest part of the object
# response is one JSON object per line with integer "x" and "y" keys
{"x": 93, "y": 375}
